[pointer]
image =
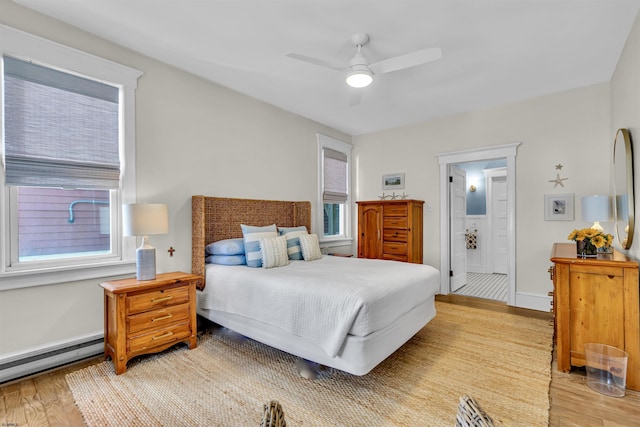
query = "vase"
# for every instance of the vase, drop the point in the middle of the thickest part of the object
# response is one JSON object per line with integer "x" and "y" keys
{"x": 585, "y": 248}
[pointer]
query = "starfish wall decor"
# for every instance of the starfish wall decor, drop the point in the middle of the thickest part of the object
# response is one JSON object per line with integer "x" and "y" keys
{"x": 558, "y": 181}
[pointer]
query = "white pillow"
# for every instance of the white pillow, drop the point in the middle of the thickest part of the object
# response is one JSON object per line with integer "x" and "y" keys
{"x": 274, "y": 252}
{"x": 310, "y": 247}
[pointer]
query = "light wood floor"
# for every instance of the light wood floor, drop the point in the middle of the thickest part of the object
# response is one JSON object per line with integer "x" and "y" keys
{"x": 45, "y": 399}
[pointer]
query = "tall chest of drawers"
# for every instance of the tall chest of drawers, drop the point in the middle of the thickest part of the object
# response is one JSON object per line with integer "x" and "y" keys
{"x": 390, "y": 229}
{"x": 148, "y": 316}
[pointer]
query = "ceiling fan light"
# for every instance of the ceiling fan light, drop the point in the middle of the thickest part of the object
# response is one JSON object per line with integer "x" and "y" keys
{"x": 359, "y": 78}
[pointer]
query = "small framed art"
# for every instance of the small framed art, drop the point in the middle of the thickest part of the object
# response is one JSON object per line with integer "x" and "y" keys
{"x": 394, "y": 181}
{"x": 558, "y": 207}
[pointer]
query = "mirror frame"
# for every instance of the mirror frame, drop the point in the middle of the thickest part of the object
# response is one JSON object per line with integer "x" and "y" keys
{"x": 623, "y": 165}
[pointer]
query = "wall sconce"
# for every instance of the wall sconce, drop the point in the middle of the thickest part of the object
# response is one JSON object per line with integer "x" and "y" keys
{"x": 472, "y": 188}
{"x": 142, "y": 219}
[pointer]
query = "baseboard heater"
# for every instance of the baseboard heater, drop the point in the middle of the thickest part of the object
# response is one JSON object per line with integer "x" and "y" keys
{"x": 49, "y": 358}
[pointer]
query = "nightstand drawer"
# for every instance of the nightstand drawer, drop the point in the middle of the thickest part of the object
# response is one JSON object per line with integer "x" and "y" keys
{"x": 156, "y": 338}
{"x": 391, "y": 235}
{"x": 155, "y": 299}
{"x": 157, "y": 318}
{"x": 395, "y": 222}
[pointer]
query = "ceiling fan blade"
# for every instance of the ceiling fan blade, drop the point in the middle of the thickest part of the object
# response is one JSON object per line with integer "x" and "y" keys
{"x": 355, "y": 96}
{"x": 314, "y": 61}
{"x": 407, "y": 60}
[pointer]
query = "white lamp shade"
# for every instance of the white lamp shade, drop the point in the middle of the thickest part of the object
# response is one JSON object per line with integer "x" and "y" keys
{"x": 596, "y": 208}
{"x": 143, "y": 219}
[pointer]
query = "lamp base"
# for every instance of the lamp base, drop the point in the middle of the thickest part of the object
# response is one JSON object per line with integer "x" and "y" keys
{"x": 146, "y": 263}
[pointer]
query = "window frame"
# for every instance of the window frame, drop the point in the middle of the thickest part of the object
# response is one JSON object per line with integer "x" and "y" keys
{"x": 22, "y": 45}
{"x": 345, "y": 239}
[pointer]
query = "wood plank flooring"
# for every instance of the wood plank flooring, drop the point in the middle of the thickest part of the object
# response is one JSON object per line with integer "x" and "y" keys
{"x": 45, "y": 399}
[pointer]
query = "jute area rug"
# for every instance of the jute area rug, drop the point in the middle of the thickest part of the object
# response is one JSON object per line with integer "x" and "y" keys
{"x": 501, "y": 360}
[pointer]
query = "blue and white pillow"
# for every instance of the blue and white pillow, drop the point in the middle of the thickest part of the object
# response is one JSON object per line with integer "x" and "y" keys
{"x": 274, "y": 252}
{"x": 226, "y": 247}
{"x": 292, "y": 234}
{"x": 252, "y": 235}
{"x": 226, "y": 259}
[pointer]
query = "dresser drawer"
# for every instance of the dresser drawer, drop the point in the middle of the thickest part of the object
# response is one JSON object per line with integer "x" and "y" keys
{"x": 157, "y": 299}
{"x": 395, "y": 257}
{"x": 157, "y": 318}
{"x": 395, "y": 222}
{"x": 394, "y": 248}
{"x": 395, "y": 235}
{"x": 172, "y": 333}
{"x": 395, "y": 210}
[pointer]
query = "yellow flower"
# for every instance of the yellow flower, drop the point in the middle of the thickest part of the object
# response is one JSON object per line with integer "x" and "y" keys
{"x": 594, "y": 237}
{"x": 598, "y": 241}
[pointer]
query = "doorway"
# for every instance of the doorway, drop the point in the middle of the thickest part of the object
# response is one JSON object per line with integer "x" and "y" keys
{"x": 505, "y": 245}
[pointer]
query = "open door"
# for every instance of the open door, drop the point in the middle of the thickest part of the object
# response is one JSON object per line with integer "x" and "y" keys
{"x": 458, "y": 211}
{"x": 499, "y": 224}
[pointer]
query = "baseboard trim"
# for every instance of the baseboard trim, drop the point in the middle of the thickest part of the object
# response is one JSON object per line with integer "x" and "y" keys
{"x": 533, "y": 301}
{"x": 29, "y": 363}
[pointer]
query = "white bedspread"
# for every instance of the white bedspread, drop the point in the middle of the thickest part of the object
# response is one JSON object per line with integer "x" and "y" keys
{"x": 323, "y": 300}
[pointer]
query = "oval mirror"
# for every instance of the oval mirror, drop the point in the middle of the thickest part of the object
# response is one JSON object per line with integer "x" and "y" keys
{"x": 624, "y": 205}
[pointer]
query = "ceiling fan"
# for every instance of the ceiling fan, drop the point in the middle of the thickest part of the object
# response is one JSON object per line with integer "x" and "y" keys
{"x": 359, "y": 73}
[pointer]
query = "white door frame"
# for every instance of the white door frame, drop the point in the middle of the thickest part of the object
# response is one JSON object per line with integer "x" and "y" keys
{"x": 507, "y": 151}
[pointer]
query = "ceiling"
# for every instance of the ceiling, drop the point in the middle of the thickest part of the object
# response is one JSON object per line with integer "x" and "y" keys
{"x": 495, "y": 52}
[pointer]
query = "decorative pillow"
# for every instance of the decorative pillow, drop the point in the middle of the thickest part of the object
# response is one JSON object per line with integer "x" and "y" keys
{"x": 226, "y": 247}
{"x": 471, "y": 415}
{"x": 310, "y": 247}
{"x": 252, "y": 235}
{"x": 226, "y": 259}
{"x": 292, "y": 235}
{"x": 274, "y": 252}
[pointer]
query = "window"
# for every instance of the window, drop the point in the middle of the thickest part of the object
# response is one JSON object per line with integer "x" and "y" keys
{"x": 67, "y": 122}
{"x": 334, "y": 183}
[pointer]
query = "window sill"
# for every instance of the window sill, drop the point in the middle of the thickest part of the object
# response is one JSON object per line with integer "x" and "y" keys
{"x": 332, "y": 243}
{"x": 52, "y": 276}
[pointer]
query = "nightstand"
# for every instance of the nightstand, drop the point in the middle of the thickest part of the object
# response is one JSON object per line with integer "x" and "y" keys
{"x": 148, "y": 316}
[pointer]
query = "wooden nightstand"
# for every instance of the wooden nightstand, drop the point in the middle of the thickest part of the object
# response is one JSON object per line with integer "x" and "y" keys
{"x": 148, "y": 316}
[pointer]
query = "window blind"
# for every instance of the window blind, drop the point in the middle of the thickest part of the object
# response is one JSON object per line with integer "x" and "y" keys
{"x": 335, "y": 176}
{"x": 61, "y": 130}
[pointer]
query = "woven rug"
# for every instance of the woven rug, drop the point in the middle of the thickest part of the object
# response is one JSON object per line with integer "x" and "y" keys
{"x": 501, "y": 360}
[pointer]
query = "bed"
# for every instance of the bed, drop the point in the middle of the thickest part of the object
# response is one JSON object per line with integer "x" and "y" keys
{"x": 346, "y": 313}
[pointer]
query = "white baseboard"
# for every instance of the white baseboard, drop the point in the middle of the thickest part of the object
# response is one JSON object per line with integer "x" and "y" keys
{"x": 533, "y": 301}
{"x": 41, "y": 359}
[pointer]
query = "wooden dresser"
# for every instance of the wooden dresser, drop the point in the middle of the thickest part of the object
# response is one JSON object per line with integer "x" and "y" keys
{"x": 390, "y": 229}
{"x": 595, "y": 300}
{"x": 148, "y": 316}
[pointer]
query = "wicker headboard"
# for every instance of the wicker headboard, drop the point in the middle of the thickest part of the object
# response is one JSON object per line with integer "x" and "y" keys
{"x": 216, "y": 218}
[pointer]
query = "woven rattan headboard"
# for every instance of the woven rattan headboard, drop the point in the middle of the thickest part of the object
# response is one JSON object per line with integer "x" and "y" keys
{"x": 215, "y": 218}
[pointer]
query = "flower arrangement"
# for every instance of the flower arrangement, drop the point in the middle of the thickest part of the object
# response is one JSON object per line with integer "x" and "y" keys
{"x": 589, "y": 240}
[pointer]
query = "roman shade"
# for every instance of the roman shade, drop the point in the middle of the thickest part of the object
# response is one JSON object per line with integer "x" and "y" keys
{"x": 335, "y": 176}
{"x": 61, "y": 130}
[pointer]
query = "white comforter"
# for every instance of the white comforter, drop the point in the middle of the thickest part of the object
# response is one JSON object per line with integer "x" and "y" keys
{"x": 323, "y": 300}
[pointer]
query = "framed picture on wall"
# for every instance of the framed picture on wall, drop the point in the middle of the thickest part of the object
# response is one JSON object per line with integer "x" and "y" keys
{"x": 394, "y": 181}
{"x": 558, "y": 207}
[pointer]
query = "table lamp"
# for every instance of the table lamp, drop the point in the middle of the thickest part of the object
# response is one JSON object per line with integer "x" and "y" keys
{"x": 596, "y": 209}
{"x": 143, "y": 219}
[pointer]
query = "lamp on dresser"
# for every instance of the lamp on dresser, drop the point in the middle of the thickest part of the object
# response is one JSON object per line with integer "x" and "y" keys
{"x": 596, "y": 209}
{"x": 144, "y": 219}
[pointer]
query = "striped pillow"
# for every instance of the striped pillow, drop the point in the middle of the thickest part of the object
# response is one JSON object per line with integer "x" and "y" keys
{"x": 274, "y": 252}
{"x": 252, "y": 235}
{"x": 292, "y": 235}
{"x": 310, "y": 247}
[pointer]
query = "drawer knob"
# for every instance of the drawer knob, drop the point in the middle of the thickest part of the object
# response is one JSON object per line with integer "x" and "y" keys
{"x": 167, "y": 334}
{"x": 162, "y": 299}
{"x": 168, "y": 316}
{"x": 550, "y": 293}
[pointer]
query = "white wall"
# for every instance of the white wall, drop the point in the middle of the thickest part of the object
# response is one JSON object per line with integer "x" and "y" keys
{"x": 625, "y": 113}
{"x": 571, "y": 128}
{"x": 193, "y": 137}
